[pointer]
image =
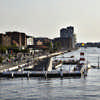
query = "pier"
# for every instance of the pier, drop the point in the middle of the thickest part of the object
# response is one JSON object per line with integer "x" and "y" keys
{"x": 52, "y": 74}
{"x": 36, "y": 59}
{"x": 42, "y": 67}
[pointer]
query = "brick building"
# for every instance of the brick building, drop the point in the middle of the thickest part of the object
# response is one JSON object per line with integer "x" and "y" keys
{"x": 17, "y": 38}
{"x": 42, "y": 41}
{"x": 5, "y": 40}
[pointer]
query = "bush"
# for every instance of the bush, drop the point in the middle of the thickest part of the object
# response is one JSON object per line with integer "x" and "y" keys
{"x": 24, "y": 51}
{"x": 3, "y": 49}
{"x": 9, "y": 56}
{"x": 1, "y": 59}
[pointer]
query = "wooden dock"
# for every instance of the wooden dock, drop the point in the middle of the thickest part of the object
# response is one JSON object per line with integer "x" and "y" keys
{"x": 52, "y": 74}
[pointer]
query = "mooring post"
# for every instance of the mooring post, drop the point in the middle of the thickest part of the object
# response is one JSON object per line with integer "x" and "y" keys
{"x": 43, "y": 70}
{"x": 98, "y": 62}
{"x": 12, "y": 74}
{"x": 69, "y": 67}
{"x": 28, "y": 74}
{"x": 46, "y": 74}
{"x": 61, "y": 72}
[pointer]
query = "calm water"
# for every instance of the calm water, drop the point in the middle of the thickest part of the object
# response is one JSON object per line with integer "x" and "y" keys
{"x": 54, "y": 89}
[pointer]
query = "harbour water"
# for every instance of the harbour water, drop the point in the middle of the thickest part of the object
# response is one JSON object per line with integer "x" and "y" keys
{"x": 87, "y": 88}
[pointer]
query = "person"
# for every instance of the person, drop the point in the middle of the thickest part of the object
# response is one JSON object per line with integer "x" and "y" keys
{"x": 61, "y": 73}
{"x": 74, "y": 68}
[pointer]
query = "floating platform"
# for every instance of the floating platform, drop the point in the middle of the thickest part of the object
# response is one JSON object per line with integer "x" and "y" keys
{"x": 67, "y": 62}
{"x": 52, "y": 74}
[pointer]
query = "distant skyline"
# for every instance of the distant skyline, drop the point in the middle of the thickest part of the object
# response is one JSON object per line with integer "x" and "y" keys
{"x": 46, "y": 17}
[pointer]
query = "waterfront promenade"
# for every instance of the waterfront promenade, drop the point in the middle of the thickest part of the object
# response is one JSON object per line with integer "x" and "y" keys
{"x": 29, "y": 63}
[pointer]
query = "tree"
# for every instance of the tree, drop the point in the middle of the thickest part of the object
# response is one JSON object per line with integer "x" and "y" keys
{"x": 75, "y": 40}
{"x": 50, "y": 46}
{"x": 57, "y": 46}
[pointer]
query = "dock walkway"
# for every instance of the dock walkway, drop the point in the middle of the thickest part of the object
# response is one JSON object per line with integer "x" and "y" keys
{"x": 51, "y": 74}
{"x": 23, "y": 63}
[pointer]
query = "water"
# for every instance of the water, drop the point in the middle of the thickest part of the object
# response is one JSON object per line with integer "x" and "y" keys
{"x": 54, "y": 89}
{"x": 91, "y": 55}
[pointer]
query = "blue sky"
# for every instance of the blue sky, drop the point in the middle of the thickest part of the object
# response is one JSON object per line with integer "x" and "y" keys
{"x": 46, "y": 17}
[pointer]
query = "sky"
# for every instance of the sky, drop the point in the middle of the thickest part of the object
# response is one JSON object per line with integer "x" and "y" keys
{"x": 45, "y": 18}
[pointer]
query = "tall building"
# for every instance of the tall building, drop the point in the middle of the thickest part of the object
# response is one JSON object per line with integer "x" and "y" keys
{"x": 68, "y": 33}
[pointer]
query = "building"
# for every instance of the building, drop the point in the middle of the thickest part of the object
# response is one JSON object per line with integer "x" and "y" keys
{"x": 68, "y": 33}
{"x": 41, "y": 45}
{"x": 1, "y": 38}
{"x": 30, "y": 43}
{"x": 42, "y": 41}
{"x": 62, "y": 43}
{"x": 17, "y": 38}
{"x": 5, "y": 40}
{"x": 30, "y": 40}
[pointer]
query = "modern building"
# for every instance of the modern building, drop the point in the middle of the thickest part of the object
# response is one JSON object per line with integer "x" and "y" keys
{"x": 62, "y": 43}
{"x": 68, "y": 34}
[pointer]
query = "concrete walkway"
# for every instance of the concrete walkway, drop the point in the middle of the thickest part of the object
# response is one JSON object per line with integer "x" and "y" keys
{"x": 15, "y": 66}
